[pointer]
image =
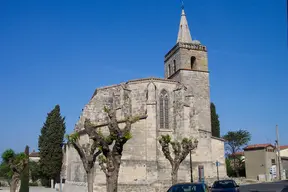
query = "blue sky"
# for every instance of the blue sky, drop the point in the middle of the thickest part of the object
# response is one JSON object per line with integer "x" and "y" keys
{"x": 57, "y": 52}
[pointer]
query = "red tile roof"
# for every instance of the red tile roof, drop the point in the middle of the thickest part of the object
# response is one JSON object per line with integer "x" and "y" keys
{"x": 239, "y": 153}
{"x": 34, "y": 154}
{"x": 257, "y": 146}
{"x": 283, "y": 147}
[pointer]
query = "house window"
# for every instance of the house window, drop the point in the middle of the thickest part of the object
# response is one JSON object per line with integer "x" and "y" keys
{"x": 193, "y": 61}
{"x": 273, "y": 161}
{"x": 164, "y": 110}
{"x": 174, "y": 66}
{"x": 270, "y": 150}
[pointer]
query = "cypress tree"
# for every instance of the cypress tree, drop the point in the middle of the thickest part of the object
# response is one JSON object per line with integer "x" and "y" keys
{"x": 50, "y": 146}
{"x": 25, "y": 174}
{"x": 215, "y": 123}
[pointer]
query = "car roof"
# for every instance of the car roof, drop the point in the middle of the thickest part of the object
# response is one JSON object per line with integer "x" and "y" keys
{"x": 194, "y": 183}
{"x": 224, "y": 180}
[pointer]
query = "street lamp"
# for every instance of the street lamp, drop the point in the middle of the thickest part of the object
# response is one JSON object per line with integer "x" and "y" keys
{"x": 191, "y": 168}
{"x": 60, "y": 183}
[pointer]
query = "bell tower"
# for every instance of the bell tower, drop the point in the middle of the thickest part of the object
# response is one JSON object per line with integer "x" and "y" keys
{"x": 187, "y": 54}
{"x": 187, "y": 63}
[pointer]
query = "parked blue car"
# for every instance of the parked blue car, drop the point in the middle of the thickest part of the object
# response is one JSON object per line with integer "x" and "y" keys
{"x": 224, "y": 186}
{"x": 189, "y": 187}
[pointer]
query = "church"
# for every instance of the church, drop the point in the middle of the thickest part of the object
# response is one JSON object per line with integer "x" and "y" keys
{"x": 178, "y": 105}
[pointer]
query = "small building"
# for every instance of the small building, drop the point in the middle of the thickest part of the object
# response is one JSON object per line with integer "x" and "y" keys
{"x": 260, "y": 159}
{"x": 284, "y": 159}
{"x": 284, "y": 151}
{"x": 34, "y": 156}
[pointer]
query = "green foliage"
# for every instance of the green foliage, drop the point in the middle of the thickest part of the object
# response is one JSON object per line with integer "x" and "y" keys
{"x": 72, "y": 138}
{"x": 45, "y": 181}
{"x": 185, "y": 145}
{"x": 35, "y": 172}
{"x": 5, "y": 172}
{"x": 8, "y": 155}
{"x": 231, "y": 171}
{"x": 106, "y": 109}
{"x": 135, "y": 119}
{"x": 236, "y": 140}
{"x": 109, "y": 139}
{"x": 20, "y": 156}
{"x": 102, "y": 159}
{"x": 215, "y": 123}
{"x": 165, "y": 139}
{"x": 50, "y": 146}
{"x": 9, "y": 158}
{"x": 128, "y": 135}
{"x": 99, "y": 132}
{"x": 186, "y": 140}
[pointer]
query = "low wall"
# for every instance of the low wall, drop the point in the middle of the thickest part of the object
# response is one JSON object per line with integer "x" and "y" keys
{"x": 4, "y": 183}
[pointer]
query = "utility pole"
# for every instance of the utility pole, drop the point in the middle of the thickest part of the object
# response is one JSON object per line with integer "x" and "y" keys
{"x": 191, "y": 168}
{"x": 63, "y": 161}
{"x": 278, "y": 153}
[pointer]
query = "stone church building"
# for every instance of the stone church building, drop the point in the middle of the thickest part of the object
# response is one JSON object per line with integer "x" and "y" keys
{"x": 178, "y": 104}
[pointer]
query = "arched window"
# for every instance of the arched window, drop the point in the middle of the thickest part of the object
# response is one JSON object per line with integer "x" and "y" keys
{"x": 193, "y": 61}
{"x": 174, "y": 66}
{"x": 164, "y": 110}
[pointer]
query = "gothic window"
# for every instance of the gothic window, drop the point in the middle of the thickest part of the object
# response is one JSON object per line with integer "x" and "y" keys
{"x": 193, "y": 61}
{"x": 164, "y": 110}
{"x": 174, "y": 65}
{"x": 169, "y": 70}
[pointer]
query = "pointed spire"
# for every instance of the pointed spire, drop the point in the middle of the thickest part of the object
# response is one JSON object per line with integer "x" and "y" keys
{"x": 184, "y": 35}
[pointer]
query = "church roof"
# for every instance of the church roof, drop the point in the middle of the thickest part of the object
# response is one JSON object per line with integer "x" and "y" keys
{"x": 137, "y": 81}
{"x": 184, "y": 35}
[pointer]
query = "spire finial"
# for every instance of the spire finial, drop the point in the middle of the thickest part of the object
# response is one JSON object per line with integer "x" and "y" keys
{"x": 182, "y": 6}
{"x": 184, "y": 35}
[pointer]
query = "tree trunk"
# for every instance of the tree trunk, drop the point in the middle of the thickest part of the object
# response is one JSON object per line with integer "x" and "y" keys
{"x": 15, "y": 183}
{"x": 236, "y": 169}
{"x": 90, "y": 180}
{"x": 112, "y": 179}
{"x": 237, "y": 173}
{"x": 174, "y": 174}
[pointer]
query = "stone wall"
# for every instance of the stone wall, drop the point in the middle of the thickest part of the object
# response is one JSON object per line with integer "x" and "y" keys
{"x": 218, "y": 154}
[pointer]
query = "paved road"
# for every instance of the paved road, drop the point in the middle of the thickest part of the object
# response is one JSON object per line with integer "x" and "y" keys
{"x": 264, "y": 187}
{"x": 31, "y": 189}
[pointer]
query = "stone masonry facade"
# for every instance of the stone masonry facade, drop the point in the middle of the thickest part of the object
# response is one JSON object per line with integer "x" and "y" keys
{"x": 178, "y": 105}
{"x": 143, "y": 163}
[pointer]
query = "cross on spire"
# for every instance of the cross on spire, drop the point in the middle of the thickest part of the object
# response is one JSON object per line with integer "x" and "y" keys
{"x": 184, "y": 35}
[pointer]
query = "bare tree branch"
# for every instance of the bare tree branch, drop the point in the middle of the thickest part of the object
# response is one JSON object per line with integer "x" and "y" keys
{"x": 180, "y": 152}
{"x": 164, "y": 142}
